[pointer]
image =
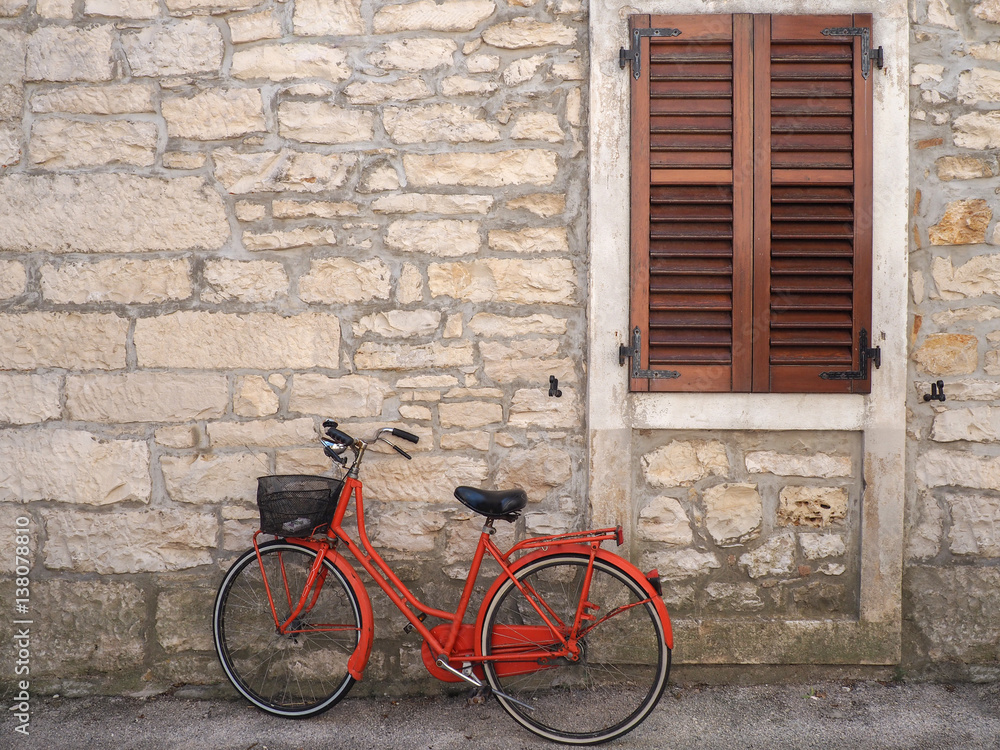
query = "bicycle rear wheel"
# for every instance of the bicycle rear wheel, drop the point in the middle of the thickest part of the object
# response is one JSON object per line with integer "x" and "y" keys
{"x": 296, "y": 675}
{"x": 622, "y": 669}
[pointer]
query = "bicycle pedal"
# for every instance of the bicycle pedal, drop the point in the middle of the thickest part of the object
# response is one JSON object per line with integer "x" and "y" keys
{"x": 408, "y": 628}
{"x": 479, "y": 696}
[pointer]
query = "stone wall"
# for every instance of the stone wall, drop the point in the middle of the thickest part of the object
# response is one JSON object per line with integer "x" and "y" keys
{"x": 952, "y": 600}
{"x": 224, "y": 220}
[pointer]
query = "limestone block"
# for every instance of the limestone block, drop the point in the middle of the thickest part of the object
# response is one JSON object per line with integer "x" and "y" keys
{"x": 264, "y": 341}
{"x": 454, "y": 86}
{"x": 12, "y": 279}
{"x": 215, "y": 114}
{"x": 253, "y": 27}
{"x": 483, "y": 63}
{"x": 537, "y": 126}
{"x": 677, "y": 565}
{"x": 664, "y": 520}
{"x": 13, "y": 52}
{"x": 925, "y": 527}
{"x": 571, "y": 70}
{"x": 411, "y": 285}
{"x": 409, "y": 531}
{"x": 322, "y": 122}
{"x": 987, "y": 51}
{"x": 289, "y": 238}
{"x": 180, "y": 614}
{"x": 10, "y": 144}
{"x": 328, "y": 18}
{"x": 532, "y": 407}
{"x": 975, "y": 528}
{"x": 523, "y": 32}
{"x": 955, "y": 611}
{"x": 54, "y": 8}
{"x": 519, "y": 167}
{"x": 109, "y": 213}
{"x": 186, "y": 160}
{"x": 987, "y": 10}
{"x": 451, "y": 15}
{"x": 549, "y": 281}
{"x": 734, "y": 597}
{"x": 313, "y": 209}
{"x": 788, "y": 465}
{"x": 180, "y": 436}
{"x": 374, "y": 356}
{"x": 413, "y": 412}
{"x": 204, "y": 7}
{"x": 948, "y": 354}
{"x": 213, "y": 478}
{"x": 114, "y": 99}
{"x": 970, "y": 390}
{"x": 12, "y": 8}
{"x": 432, "y": 203}
{"x": 819, "y": 546}
{"x": 523, "y": 360}
{"x": 974, "y": 314}
{"x": 253, "y": 396}
{"x": 399, "y": 323}
{"x": 146, "y": 397}
{"x": 28, "y": 398}
{"x": 470, "y": 414}
{"x": 342, "y": 398}
{"x": 978, "y": 424}
{"x": 684, "y": 462}
{"x": 272, "y": 172}
{"x": 66, "y": 53}
{"x": 74, "y": 341}
{"x": 924, "y": 72}
{"x": 344, "y": 281}
{"x": 267, "y": 433}
{"x": 733, "y": 513}
{"x": 939, "y": 15}
{"x": 183, "y": 48}
{"x": 414, "y": 54}
{"x": 134, "y": 541}
{"x": 120, "y": 280}
{"x": 530, "y": 240}
{"x": 282, "y": 62}
{"x": 811, "y": 506}
{"x": 941, "y": 468}
{"x": 962, "y": 168}
{"x": 301, "y": 461}
{"x": 977, "y": 130}
{"x": 442, "y": 238}
{"x": 424, "y": 479}
{"x": 438, "y": 122}
{"x": 574, "y": 106}
{"x": 522, "y": 70}
{"x": 138, "y": 9}
{"x": 71, "y": 466}
{"x": 978, "y": 276}
{"x": 775, "y": 558}
{"x": 964, "y": 223}
{"x": 66, "y": 144}
{"x": 458, "y": 441}
{"x": 246, "y": 281}
{"x": 488, "y": 325}
{"x": 404, "y": 89}
{"x": 379, "y": 177}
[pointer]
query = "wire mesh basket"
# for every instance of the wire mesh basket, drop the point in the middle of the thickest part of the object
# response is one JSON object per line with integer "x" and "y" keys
{"x": 296, "y": 504}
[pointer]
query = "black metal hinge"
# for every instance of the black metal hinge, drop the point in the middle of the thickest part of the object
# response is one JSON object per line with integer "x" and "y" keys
{"x": 635, "y": 54}
{"x": 633, "y": 354}
{"x": 873, "y": 355}
{"x": 868, "y": 55}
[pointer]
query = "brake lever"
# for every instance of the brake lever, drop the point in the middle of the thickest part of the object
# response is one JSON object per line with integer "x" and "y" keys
{"x": 399, "y": 450}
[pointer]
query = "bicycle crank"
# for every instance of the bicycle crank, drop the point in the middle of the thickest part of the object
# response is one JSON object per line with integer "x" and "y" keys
{"x": 473, "y": 680}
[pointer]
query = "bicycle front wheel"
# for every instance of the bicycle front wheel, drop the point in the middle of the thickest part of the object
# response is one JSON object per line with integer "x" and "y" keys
{"x": 622, "y": 667}
{"x": 304, "y": 672}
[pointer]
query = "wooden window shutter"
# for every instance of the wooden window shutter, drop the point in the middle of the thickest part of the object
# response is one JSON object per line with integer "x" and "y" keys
{"x": 751, "y": 202}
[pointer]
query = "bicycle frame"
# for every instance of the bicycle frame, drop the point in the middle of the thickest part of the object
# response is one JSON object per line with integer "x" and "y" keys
{"x": 554, "y": 640}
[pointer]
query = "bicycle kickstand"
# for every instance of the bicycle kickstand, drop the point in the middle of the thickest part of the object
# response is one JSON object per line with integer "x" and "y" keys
{"x": 473, "y": 680}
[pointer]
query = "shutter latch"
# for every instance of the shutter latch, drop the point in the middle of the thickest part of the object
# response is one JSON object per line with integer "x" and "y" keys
{"x": 633, "y": 353}
{"x": 868, "y": 55}
{"x": 873, "y": 355}
{"x": 635, "y": 54}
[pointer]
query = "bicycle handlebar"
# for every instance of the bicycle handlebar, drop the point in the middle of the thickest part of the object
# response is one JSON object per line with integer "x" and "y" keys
{"x": 405, "y": 435}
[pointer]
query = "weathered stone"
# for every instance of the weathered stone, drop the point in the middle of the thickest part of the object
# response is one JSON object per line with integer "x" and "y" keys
{"x": 532, "y": 407}
{"x": 124, "y": 281}
{"x": 54, "y": 8}
{"x": 12, "y": 279}
{"x": 344, "y": 397}
{"x": 978, "y": 276}
{"x": 213, "y": 478}
{"x": 114, "y": 99}
{"x": 964, "y": 223}
{"x": 180, "y": 436}
{"x": 545, "y": 205}
{"x": 939, "y": 15}
{"x": 74, "y": 341}
{"x": 438, "y": 122}
{"x": 676, "y": 565}
{"x": 979, "y": 424}
{"x": 483, "y": 63}
{"x": 146, "y": 397}
{"x": 214, "y": 115}
{"x": 454, "y": 86}
{"x": 975, "y": 314}
{"x": 157, "y": 540}
{"x": 942, "y": 468}
{"x": 282, "y": 62}
{"x": 202, "y": 7}
{"x": 522, "y": 70}
{"x": 110, "y": 213}
{"x": 180, "y": 613}
{"x": 811, "y": 506}
{"x": 254, "y": 26}
{"x": 987, "y": 10}
{"x": 373, "y": 356}
{"x": 684, "y": 462}
{"x": 573, "y": 69}
{"x": 253, "y": 396}
{"x": 978, "y": 130}
{"x": 413, "y": 412}
{"x": 775, "y": 558}
{"x": 925, "y": 527}
{"x": 91, "y": 470}
{"x": 530, "y": 240}
{"x": 322, "y": 122}
{"x": 470, "y": 414}
{"x": 313, "y": 209}
{"x": 399, "y": 323}
{"x": 733, "y": 513}
{"x": 970, "y": 390}
{"x": 12, "y": 8}
{"x": 10, "y": 144}
{"x": 424, "y": 479}
{"x": 187, "y": 47}
{"x": 819, "y": 546}
{"x": 962, "y": 168}
{"x": 58, "y": 143}
{"x": 525, "y": 31}
{"x": 955, "y": 610}
{"x": 413, "y": 54}
{"x": 536, "y": 471}
{"x": 379, "y": 177}
{"x": 948, "y": 354}
{"x": 138, "y": 9}
{"x": 25, "y": 399}
{"x": 538, "y": 126}
{"x": 66, "y": 53}
{"x": 432, "y": 203}
{"x": 246, "y": 281}
{"x": 343, "y": 281}
{"x": 186, "y": 160}
{"x": 411, "y": 285}
{"x": 487, "y": 170}
{"x": 788, "y": 465}
{"x": 926, "y": 72}
{"x": 328, "y": 18}
{"x": 664, "y": 520}
{"x": 522, "y": 360}
{"x": 405, "y": 89}
{"x": 441, "y": 238}
{"x": 551, "y": 281}
{"x": 451, "y": 15}
{"x": 488, "y": 325}
{"x": 460, "y": 441}
{"x": 975, "y": 525}
{"x": 409, "y": 531}
{"x": 272, "y": 172}
{"x": 289, "y": 238}
{"x": 256, "y": 340}
{"x": 271, "y": 433}
{"x": 734, "y": 597}
{"x": 987, "y": 51}
{"x": 300, "y": 461}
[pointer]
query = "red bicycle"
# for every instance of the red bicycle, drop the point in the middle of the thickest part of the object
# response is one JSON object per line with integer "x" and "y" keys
{"x": 573, "y": 640}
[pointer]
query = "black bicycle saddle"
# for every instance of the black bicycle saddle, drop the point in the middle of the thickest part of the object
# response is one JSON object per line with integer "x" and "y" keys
{"x": 493, "y": 503}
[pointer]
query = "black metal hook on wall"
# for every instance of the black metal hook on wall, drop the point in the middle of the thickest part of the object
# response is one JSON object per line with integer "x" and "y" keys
{"x": 937, "y": 392}
{"x": 554, "y": 386}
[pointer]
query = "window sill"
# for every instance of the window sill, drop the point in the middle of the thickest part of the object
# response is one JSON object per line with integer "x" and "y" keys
{"x": 747, "y": 411}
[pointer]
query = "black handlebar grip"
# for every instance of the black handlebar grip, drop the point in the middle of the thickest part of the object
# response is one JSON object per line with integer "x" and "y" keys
{"x": 405, "y": 435}
{"x": 340, "y": 437}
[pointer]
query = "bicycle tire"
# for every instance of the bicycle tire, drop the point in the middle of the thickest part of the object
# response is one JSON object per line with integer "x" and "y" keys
{"x": 621, "y": 674}
{"x": 293, "y": 676}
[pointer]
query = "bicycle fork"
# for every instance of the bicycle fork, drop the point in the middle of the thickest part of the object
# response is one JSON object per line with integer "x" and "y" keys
{"x": 442, "y": 662}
